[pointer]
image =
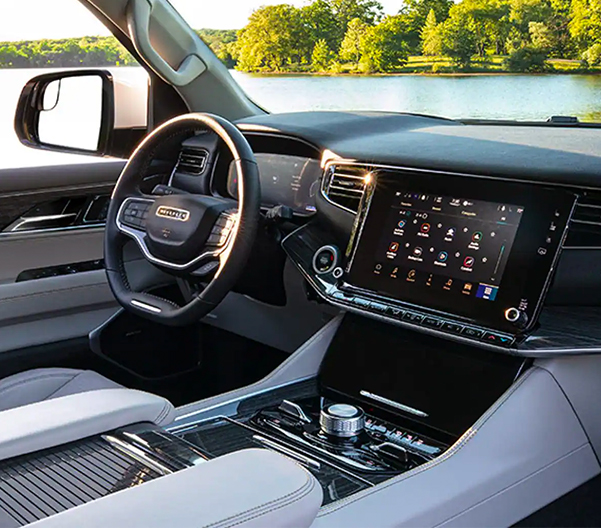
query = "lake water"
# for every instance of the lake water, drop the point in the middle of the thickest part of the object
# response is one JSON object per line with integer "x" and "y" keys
{"x": 521, "y": 97}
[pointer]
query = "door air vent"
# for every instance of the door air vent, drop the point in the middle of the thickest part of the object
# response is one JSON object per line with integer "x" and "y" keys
{"x": 344, "y": 186}
{"x": 192, "y": 161}
{"x": 585, "y": 226}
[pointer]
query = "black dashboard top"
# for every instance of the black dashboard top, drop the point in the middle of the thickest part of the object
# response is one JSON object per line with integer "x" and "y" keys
{"x": 550, "y": 154}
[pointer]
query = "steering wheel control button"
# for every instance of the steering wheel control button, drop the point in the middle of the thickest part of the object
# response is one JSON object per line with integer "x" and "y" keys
{"x": 221, "y": 230}
{"x": 342, "y": 420}
{"x": 325, "y": 259}
{"x": 135, "y": 214}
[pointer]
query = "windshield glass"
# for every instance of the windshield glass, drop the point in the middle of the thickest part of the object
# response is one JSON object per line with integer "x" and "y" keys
{"x": 481, "y": 59}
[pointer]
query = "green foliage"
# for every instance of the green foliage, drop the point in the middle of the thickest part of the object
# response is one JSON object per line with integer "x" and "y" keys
{"x": 385, "y": 47}
{"x": 527, "y": 60}
{"x": 350, "y": 36}
{"x": 459, "y": 42}
{"x": 592, "y": 55}
{"x": 431, "y": 35}
{"x": 64, "y": 53}
{"x": 321, "y": 57}
{"x": 351, "y": 48}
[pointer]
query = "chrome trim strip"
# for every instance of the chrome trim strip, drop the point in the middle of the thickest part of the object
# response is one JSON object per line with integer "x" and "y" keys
{"x": 299, "y": 410}
{"x": 288, "y": 452}
{"x": 5, "y": 234}
{"x": 138, "y": 236}
{"x": 174, "y": 428}
{"x": 394, "y": 404}
{"x": 137, "y": 454}
{"x": 147, "y": 307}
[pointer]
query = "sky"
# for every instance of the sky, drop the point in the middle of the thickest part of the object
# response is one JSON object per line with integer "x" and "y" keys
{"x": 34, "y": 19}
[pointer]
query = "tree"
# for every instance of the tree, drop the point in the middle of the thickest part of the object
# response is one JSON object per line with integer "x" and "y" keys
{"x": 585, "y": 23}
{"x": 527, "y": 60}
{"x": 351, "y": 49}
{"x": 321, "y": 23}
{"x": 431, "y": 35}
{"x": 458, "y": 40}
{"x": 385, "y": 47}
{"x": 273, "y": 40}
{"x": 321, "y": 57}
{"x": 540, "y": 36}
{"x": 417, "y": 12}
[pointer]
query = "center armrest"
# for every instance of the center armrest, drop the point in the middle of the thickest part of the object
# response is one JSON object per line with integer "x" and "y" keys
{"x": 54, "y": 422}
{"x": 251, "y": 488}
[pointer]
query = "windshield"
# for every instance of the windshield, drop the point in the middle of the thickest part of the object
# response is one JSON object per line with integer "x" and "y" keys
{"x": 479, "y": 59}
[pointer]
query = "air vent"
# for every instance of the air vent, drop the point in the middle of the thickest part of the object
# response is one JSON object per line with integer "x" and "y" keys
{"x": 192, "y": 161}
{"x": 585, "y": 226}
{"x": 344, "y": 186}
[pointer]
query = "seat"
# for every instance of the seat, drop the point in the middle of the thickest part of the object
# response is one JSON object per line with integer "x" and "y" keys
{"x": 37, "y": 385}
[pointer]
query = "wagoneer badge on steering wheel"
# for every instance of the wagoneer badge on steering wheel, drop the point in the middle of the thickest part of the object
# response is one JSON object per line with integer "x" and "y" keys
{"x": 173, "y": 212}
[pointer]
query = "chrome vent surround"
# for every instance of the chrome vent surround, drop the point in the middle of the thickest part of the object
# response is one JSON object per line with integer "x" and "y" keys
{"x": 344, "y": 186}
{"x": 585, "y": 225}
{"x": 192, "y": 161}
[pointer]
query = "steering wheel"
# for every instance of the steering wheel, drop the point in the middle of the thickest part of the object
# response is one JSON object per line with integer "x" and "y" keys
{"x": 186, "y": 235}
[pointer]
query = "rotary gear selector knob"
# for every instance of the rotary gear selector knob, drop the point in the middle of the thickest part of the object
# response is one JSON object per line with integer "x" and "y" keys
{"x": 342, "y": 420}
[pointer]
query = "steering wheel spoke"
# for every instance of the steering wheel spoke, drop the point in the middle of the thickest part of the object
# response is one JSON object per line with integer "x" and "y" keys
{"x": 188, "y": 235}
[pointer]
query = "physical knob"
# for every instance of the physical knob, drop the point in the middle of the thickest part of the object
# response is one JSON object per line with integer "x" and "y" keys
{"x": 516, "y": 317}
{"x": 325, "y": 259}
{"x": 342, "y": 420}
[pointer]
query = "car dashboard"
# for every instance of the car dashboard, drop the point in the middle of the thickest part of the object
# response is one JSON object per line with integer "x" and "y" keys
{"x": 476, "y": 233}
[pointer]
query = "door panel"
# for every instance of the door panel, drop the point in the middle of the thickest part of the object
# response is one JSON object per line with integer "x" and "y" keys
{"x": 53, "y": 308}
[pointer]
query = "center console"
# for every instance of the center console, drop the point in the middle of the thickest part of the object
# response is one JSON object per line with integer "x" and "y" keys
{"x": 383, "y": 403}
{"x": 468, "y": 257}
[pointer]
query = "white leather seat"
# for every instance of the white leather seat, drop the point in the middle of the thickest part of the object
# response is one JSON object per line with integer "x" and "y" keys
{"x": 37, "y": 385}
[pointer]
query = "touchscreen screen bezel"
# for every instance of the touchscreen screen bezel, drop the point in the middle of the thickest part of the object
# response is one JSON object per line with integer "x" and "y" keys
{"x": 527, "y": 272}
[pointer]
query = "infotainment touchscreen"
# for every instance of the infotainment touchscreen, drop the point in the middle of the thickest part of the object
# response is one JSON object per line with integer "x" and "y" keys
{"x": 460, "y": 245}
{"x": 470, "y": 247}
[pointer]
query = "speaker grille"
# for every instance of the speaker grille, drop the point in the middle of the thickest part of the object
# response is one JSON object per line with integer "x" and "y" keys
{"x": 41, "y": 484}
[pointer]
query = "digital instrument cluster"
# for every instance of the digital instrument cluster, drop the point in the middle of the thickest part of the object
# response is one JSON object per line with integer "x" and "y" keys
{"x": 285, "y": 180}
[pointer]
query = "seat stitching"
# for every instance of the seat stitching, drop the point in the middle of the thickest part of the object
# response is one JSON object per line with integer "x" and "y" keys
{"x": 301, "y": 496}
{"x": 31, "y": 380}
{"x": 308, "y": 482}
{"x": 64, "y": 385}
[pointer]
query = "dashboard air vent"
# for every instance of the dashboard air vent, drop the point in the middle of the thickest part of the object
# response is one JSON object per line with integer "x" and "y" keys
{"x": 192, "y": 161}
{"x": 344, "y": 186}
{"x": 585, "y": 226}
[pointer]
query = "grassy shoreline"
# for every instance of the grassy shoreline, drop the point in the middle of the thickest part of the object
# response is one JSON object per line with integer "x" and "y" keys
{"x": 443, "y": 67}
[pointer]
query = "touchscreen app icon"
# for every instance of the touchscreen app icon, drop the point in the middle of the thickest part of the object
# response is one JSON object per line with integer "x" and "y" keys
{"x": 394, "y": 247}
{"x": 402, "y": 223}
{"x": 425, "y": 228}
{"x": 417, "y": 251}
{"x": 469, "y": 262}
{"x": 477, "y": 236}
{"x": 443, "y": 256}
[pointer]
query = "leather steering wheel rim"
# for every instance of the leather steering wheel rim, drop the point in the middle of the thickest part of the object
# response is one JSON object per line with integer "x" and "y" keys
{"x": 232, "y": 257}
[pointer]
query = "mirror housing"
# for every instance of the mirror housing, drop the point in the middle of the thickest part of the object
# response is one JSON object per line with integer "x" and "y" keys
{"x": 87, "y": 111}
{"x": 42, "y": 95}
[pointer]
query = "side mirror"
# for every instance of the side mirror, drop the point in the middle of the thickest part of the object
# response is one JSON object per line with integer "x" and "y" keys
{"x": 76, "y": 111}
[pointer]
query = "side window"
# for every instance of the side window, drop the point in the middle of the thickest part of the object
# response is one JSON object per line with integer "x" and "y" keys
{"x": 41, "y": 37}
